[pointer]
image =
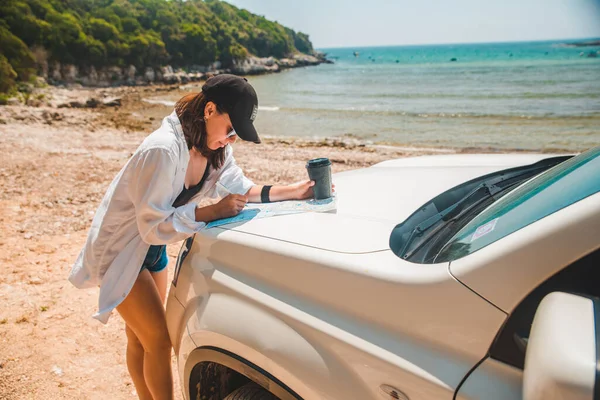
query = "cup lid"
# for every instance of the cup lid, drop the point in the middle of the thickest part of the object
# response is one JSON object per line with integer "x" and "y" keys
{"x": 318, "y": 162}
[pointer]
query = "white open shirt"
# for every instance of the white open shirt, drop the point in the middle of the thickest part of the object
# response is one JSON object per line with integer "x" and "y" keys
{"x": 137, "y": 212}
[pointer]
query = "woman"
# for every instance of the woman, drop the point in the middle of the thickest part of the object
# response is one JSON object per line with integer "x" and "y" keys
{"x": 148, "y": 206}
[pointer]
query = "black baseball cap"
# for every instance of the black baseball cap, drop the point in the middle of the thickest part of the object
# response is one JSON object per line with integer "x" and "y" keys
{"x": 238, "y": 99}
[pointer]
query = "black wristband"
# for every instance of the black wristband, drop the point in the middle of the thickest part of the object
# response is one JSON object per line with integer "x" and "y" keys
{"x": 264, "y": 194}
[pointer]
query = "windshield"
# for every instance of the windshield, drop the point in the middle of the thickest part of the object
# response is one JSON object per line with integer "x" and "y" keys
{"x": 557, "y": 188}
{"x": 421, "y": 236}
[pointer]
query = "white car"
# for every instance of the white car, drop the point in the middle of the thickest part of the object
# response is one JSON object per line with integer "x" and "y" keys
{"x": 423, "y": 285}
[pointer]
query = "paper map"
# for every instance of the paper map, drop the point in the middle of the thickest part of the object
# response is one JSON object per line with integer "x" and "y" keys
{"x": 255, "y": 211}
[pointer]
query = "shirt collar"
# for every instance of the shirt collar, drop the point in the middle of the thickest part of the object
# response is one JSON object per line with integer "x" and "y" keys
{"x": 174, "y": 119}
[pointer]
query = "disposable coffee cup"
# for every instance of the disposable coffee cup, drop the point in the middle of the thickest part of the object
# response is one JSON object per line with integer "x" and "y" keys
{"x": 319, "y": 170}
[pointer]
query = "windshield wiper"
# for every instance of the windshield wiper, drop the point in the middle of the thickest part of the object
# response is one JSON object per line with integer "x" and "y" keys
{"x": 431, "y": 221}
{"x": 481, "y": 193}
{"x": 459, "y": 214}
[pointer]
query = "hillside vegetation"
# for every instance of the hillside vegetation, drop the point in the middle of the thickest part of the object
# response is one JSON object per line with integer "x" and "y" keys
{"x": 142, "y": 33}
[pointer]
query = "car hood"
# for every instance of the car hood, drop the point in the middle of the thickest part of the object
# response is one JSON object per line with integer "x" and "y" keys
{"x": 372, "y": 201}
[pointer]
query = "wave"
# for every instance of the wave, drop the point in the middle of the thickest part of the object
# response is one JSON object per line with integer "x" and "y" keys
{"x": 170, "y": 103}
{"x": 526, "y": 95}
{"x": 359, "y": 112}
{"x": 463, "y": 96}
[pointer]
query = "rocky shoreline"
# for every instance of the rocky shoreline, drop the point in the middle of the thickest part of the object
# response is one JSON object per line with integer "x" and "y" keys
{"x": 68, "y": 74}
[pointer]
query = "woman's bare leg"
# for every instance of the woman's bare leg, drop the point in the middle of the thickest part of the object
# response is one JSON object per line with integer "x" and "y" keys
{"x": 144, "y": 314}
{"x": 160, "y": 279}
{"x": 135, "y": 364}
{"x": 135, "y": 350}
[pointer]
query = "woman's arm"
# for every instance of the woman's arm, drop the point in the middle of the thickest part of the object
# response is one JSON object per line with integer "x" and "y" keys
{"x": 296, "y": 191}
{"x": 233, "y": 180}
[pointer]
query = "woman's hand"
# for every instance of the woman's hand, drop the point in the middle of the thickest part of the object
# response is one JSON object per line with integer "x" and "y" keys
{"x": 304, "y": 190}
{"x": 230, "y": 206}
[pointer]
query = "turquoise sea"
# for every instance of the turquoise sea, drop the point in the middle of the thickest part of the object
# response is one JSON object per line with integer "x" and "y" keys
{"x": 526, "y": 95}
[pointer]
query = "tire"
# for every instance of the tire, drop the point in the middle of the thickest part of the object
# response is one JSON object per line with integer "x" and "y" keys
{"x": 251, "y": 391}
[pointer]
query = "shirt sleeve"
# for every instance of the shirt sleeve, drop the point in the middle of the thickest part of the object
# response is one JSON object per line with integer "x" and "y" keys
{"x": 151, "y": 191}
{"x": 232, "y": 176}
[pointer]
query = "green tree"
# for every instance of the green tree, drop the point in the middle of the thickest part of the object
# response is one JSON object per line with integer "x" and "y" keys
{"x": 108, "y": 14}
{"x": 19, "y": 19}
{"x": 66, "y": 38}
{"x": 130, "y": 25}
{"x": 102, "y": 29}
{"x": 96, "y": 52}
{"x": 197, "y": 46}
{"x": 17, "y": 54}
{"x": 7, "y": 75}
{"x": 301, "y": 41}
{"x": 146, "y": 49}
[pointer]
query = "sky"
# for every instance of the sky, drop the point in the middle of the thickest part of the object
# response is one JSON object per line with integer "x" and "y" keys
{"x": 347, "y": 23}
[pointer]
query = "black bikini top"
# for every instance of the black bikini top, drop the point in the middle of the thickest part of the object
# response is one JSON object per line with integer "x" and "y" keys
{"x": 187, "y": 193}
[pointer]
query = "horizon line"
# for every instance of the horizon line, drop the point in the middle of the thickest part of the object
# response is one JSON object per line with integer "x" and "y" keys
{"x": 458, "y": 43}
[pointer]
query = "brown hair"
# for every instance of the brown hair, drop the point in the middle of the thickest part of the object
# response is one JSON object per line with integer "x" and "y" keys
{"x": 190, "y": 111}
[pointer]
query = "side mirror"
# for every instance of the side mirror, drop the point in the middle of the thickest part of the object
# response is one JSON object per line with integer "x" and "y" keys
{"x": 562, "y": 355}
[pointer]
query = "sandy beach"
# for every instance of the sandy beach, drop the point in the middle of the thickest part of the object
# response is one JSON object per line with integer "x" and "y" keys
{"x": 83, "y": 83}
{"x": 56, "y": 165}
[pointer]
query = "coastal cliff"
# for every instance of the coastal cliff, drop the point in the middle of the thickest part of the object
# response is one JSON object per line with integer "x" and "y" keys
{"x": 132, "y": 42}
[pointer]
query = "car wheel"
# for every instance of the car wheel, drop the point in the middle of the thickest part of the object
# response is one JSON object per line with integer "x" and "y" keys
{"x": 251, "y": 391}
